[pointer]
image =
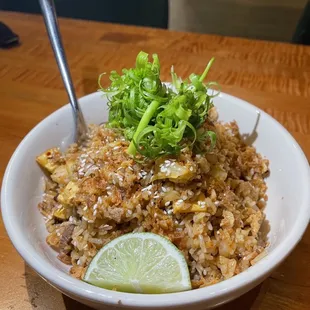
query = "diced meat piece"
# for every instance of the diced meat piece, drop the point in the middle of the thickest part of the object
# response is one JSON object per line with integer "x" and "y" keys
{"x": 66, "y": 237}
{"x": 66, "y": 259}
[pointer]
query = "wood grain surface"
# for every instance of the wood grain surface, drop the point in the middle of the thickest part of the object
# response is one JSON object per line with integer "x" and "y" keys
{"x": 272, "y": 76}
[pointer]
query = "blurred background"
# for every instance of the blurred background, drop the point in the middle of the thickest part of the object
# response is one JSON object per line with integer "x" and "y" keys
{"x": 276, "y": 20}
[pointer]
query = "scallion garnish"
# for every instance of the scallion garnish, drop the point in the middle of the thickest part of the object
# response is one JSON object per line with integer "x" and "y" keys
{"x": 158, "y": 119}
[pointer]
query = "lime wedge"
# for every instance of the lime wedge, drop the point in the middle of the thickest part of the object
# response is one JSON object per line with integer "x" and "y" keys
{"x": 139, "y": 263}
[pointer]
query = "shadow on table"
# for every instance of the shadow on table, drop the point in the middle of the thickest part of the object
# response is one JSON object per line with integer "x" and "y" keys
{"x": 71, "y": 304}
{"x": 247, "y": 302}
{"x": 43, "y": 296}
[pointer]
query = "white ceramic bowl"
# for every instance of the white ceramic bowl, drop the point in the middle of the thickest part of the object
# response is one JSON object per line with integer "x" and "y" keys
{"x": 288, "y": 208}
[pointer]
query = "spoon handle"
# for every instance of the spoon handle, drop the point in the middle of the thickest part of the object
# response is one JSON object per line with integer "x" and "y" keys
{"x": 51, "y": 23}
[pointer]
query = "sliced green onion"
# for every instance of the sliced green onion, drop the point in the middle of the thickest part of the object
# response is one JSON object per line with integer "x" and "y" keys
{"x": 158, "y": 120}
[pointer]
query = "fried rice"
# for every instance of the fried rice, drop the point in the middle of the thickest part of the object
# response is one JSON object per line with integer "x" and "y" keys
{"x": 209, "y": 205}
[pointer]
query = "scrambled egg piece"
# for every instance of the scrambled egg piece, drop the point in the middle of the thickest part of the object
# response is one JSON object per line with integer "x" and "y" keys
{"x": 47, "y": 159}
{"x": 63, "y": 173}
{"x": 177, "y": 172}
{"x": 68, "y": 193}
{"x": 70, "y": 165}
{"x": 60, "y": 175}
{"x": 200, "y": 205}
{"x": 61, "y": 213}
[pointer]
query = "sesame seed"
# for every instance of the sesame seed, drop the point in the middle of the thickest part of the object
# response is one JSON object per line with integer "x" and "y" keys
{"x": 147, "y": 188}
{"x": 88, "y": 166}
{"x": 170, "y": 211}
{"x": 167, "y": 203}
{"x": 130, "y": 168}
{"x": 209, "y": 225}
{"x": 191, "y": 168}
{"x": 116, "y": 147}
{"x": 156, "y": 197}
{"x": 85, "y": 208}
{"x": 180, "y": 201}
{"x": 164, "y": 189}
{"x": 95, "y": 212}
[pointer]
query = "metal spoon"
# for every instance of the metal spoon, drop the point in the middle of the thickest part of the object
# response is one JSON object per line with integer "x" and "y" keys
{"x": 51, "y": 23}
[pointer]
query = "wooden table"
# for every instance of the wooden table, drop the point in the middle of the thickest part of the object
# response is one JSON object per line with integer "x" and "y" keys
{"x": 273, "y": 76}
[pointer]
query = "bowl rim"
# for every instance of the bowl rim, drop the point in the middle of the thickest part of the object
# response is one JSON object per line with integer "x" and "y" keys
{"x": 91, "y": 293}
